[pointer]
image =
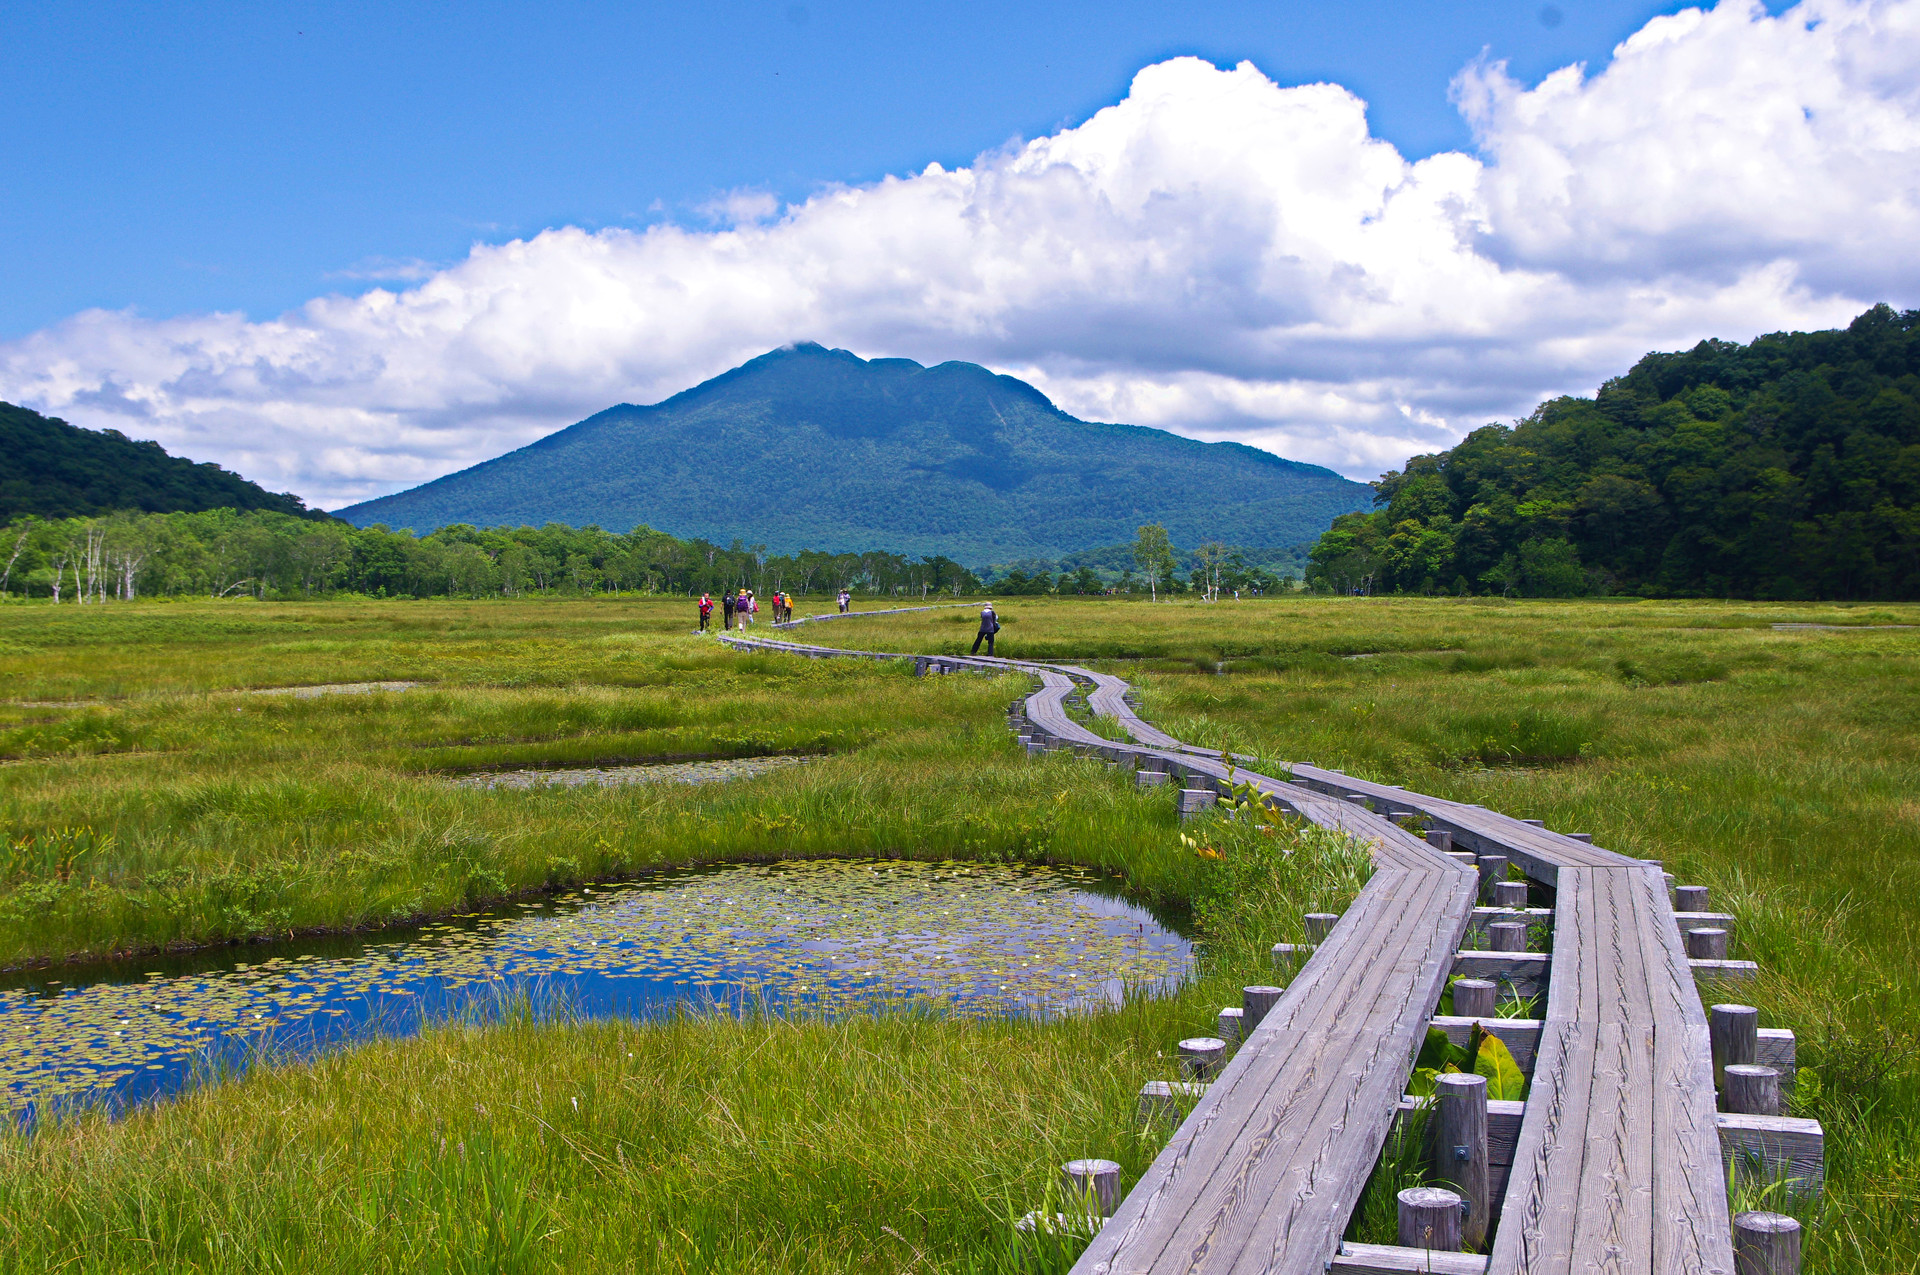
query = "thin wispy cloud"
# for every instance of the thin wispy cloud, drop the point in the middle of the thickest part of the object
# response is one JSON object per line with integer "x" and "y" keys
{"x": 389, "y": 270}
{"x": 1216, "y": 254}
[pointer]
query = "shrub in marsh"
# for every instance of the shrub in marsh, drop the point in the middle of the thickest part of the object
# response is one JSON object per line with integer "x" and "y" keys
{"x": 1259, "y": 873}
{"x": 1523, "y": 736}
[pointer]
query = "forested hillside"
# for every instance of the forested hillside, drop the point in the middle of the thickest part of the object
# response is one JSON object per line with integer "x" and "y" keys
{"x": 1787, "y": 468}
{"x": 810, "y": 447}
{"x": 54, "y": 470}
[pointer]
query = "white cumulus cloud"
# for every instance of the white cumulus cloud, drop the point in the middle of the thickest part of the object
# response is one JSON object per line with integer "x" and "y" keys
{"x": 1215, "y": 254}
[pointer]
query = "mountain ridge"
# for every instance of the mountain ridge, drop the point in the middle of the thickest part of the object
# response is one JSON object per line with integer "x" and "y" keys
{"x": 806, "y": 447}
{"x": 51, "y": 469}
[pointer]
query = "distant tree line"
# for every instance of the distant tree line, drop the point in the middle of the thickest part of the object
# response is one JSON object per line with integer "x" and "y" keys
{"x": 264, "y": 554}
{"x": 1787, "y": 468}
{"x": 1151, "y": 565}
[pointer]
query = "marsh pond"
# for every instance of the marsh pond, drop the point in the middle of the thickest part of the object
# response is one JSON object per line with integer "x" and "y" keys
{"x": 827, "y": 936}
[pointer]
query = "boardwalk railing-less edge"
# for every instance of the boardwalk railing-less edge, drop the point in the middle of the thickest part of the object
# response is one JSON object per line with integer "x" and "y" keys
{"x": 1618, "y": 1160}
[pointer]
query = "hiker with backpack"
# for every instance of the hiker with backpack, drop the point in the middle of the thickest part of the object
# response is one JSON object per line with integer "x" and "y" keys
{"x": 726, "y": 612}
{"x": 989, "y": 625}
{"x": 706, "y": 610}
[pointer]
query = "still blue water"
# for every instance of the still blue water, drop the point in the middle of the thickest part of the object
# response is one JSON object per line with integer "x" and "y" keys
{"x": 810, "y": 936}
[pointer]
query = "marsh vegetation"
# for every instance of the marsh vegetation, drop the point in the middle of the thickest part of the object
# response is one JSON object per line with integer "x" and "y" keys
{"x": 149, "y": 803}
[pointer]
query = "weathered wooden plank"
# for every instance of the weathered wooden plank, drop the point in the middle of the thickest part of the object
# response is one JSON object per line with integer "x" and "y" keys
{"x": 1693, "y": 1234}
{"x": 1774, "y": 1149}
{"x": 1613, "y": 1218}
{"x": 1542, "y": 1204}
{"x": 1525, "y": 972}
{"x": 1387, "y": 1259}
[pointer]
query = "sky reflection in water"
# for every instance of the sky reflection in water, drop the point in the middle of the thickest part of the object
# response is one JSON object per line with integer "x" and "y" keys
{"x": 820, "y": 934}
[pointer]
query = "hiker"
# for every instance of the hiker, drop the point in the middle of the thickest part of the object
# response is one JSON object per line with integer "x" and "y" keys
{"x": 706, "y": 610}
{"x": 726, "y": 612}
{"x": 740, "y": 609}
{"x": 753, "y": 606}
{"x": 845, "y": 598}
{"x": 989, "y": 625}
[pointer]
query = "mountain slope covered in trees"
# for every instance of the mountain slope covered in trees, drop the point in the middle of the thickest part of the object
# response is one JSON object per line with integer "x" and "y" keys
{"x": 806, "y": 447}
{"x": 1786, "y": 468}
{"x": 51, "y": 469}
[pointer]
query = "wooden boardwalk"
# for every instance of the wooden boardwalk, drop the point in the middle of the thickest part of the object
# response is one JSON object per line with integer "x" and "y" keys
{"x": 1617, "y": 1163}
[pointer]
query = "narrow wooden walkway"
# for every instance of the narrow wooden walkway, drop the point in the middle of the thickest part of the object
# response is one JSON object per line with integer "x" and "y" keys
{"x": 1617, "y": 1166}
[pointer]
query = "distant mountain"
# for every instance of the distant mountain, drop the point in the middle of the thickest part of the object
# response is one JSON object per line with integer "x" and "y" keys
{"x": 55, "y": 470}
{"x": 812, "y": 448}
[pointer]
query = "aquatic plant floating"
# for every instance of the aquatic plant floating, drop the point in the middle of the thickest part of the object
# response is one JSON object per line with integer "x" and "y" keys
{"x": 808, "y": 936}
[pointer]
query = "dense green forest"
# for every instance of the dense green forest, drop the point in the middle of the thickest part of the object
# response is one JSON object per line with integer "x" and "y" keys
{"x": 264, "y": 554}
{"x": 51, "y": 469}
{"x": 1787, "y": 468}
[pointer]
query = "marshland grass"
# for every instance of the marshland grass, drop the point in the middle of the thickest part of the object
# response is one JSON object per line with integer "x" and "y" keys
{"x": 150, "y": 801}
{"x": 178, "y": 810}
{"x": 1776, "y": 767}
{"x": 1779, "y": 768}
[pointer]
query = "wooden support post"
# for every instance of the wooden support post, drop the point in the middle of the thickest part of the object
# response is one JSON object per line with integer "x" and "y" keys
{"x": 1430, "y": 1218}
{"x": 1507, "y": 936}
{"x": 1319, "y": 925}
{"x": 1734, "y": 1031}
{"x": 1356, "y": 799}
{"x": 1493, "y": 867}
{"x": 1707, "y": 944}
{"x": 1194, "y": 801}
{"x": 920, "y": 666}
{"x": 1690, "y": 898}
{"x": 1231, "y": 1025}
{"x": 1404, "y": 817}
{"x": 1440, "y": 840}
{"x": 1255, "y": 1001}
{"x": 1704, "y": 920}
{"x": 1474, "y": 997}
{"x": 1724, "y": 971}
{"x": 1460, "y": 1150}
{"x": 1167, "y": 1099}
{"x": 1581, "y": 836}
{"x": 1202, "y": 1057}
{"x": 1765, "y": 1244}
{"x": 1534, "y": 823}
{"x": 1093, "y": 1185}
{"x": 1510, "y": 894}
{"x": 1751, "y": 1090}
{"x": 1149, "y": 778}
{"x": 1466, "y": 857}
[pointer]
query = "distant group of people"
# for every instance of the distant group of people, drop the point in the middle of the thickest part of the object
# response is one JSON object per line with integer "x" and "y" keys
{"x": 743, "y": 605}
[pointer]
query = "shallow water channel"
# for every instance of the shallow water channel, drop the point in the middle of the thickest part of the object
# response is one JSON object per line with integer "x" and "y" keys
{"x": 816, "y": 935}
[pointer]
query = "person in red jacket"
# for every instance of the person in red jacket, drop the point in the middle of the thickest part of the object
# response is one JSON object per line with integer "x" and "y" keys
{"x": 706, "y": 611}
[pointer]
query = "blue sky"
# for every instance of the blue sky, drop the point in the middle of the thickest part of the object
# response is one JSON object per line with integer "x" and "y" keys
{"x": 217, "y": 156}
{"x": 344, "y": 250}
